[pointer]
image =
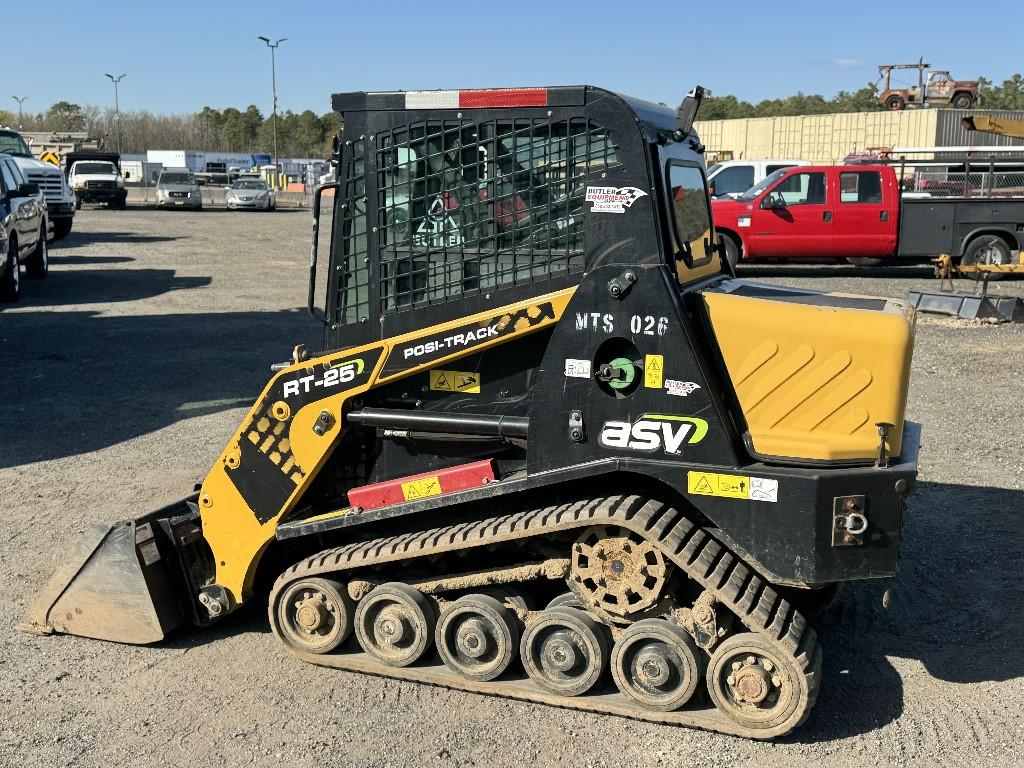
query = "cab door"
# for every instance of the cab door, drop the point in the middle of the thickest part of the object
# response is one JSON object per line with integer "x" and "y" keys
{"x": 793, "y": 218}
{"x": 865, "y": 222}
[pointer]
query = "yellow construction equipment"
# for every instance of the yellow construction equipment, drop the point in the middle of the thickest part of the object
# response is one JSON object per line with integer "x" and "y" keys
{"x": 552, "y": 448}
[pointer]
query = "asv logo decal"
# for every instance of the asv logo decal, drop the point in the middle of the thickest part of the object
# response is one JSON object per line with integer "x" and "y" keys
{"x": 652, "y": 432}
{"x": 340, "y": 373}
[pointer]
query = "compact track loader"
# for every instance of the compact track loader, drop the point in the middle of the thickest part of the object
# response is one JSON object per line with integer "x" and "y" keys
{"x": 552, "y": 448}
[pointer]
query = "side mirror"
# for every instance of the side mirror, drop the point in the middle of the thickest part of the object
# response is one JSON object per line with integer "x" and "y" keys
{"x": 687, "y": 111}
{"x": 711, "y": 189}
{"x": 28, "y": 189}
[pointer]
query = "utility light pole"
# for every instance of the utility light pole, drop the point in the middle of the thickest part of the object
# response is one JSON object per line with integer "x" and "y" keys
{"x": 21, "y": 118}
{"x": 273, "y": 83}
{"x": 117, "y": 110}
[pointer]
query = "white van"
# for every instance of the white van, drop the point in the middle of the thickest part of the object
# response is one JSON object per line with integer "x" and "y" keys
{"x": 734, "y": 177}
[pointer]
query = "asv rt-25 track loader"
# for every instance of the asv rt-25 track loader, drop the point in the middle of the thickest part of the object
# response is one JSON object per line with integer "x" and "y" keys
{"x": 553, "y": 449}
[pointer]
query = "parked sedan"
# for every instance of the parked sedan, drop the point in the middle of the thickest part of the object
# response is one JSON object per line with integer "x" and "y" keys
{"x": 23, "y": 229}
{"x": 178, "y": 189}
{"x": 253, "y": 194}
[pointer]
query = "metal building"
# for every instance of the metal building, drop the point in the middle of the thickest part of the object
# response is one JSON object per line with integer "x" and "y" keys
{"x": 830, "y": 138}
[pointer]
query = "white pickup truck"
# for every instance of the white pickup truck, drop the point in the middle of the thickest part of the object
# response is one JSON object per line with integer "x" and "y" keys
{"x": 60, "y": 200}
{"x": 96, "y": 178}
{"x": 732, "y": 178}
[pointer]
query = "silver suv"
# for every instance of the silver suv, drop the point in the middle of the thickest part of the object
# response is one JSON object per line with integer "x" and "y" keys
{"x": 178, "y": 188}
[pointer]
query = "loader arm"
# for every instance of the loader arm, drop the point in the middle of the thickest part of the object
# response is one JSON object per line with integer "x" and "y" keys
{"x": 292, "y": 429}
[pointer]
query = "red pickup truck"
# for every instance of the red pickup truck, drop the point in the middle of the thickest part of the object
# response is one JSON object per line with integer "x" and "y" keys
{"x": 855, "y": 212}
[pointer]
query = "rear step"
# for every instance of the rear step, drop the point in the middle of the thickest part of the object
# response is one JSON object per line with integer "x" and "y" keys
{"x": 465, "y": 477}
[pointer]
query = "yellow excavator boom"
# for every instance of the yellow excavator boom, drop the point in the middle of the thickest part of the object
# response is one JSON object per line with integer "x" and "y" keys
{"x": 1001, "y": 126}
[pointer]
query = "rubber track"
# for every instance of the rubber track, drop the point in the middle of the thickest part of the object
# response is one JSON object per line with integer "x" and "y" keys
{"x": 692, "y": 549}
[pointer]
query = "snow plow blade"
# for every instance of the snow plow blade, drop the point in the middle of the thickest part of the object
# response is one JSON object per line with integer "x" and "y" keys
{"x": 119, "y": 584}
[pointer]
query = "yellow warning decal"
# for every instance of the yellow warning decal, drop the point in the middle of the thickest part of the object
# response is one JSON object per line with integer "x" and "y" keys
{"x": 654, "y": 370}
{"x": 419, "y": 489}
{"x": 50, "y": 157}
{"x": 455, "y": 381}
{"x": 732, "y": 486}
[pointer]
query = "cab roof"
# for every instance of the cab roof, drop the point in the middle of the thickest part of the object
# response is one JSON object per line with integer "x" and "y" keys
{"x": 655, "y": 118}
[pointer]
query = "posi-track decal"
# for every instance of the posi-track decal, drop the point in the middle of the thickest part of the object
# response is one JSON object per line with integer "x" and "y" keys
{"x": 652, "y": 432}
{"x": 612, "y": 199}
{"x": 426, "y": 349}
{"x": 732, "y": 486}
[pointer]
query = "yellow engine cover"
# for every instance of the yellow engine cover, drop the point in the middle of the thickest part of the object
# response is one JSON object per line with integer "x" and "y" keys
{"x": 814, "y": 372}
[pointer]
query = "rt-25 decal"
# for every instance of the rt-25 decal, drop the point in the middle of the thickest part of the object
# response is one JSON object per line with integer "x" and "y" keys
{"x": 339, "y": 373}
{"x": 652, "y": 432}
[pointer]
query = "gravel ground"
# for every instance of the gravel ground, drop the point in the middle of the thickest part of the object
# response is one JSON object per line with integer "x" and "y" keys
{"x": 129, "y": 367}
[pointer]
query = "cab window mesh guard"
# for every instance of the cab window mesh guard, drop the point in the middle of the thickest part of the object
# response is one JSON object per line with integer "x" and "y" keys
{"x": 468, "y": 207}
{"x": 352, "y": 271}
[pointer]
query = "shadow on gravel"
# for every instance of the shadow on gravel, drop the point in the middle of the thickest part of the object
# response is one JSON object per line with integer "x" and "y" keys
{"x": 60, "y": 258}
{"x": 80, "y": 382}
{"x": 250, "y": 619}
{"x": 94, "y": 286}
{"x": 82, "y": 239}
{"x": 955, "y": 608}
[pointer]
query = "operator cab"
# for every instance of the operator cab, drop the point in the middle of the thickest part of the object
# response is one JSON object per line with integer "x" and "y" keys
{"x": 458, "y": 201}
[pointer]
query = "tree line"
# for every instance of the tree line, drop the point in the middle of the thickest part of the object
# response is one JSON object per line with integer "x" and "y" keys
{"x": 306, "y": 134}
{"x": 302, "y": 134}
{"x": 1009, "y": 95}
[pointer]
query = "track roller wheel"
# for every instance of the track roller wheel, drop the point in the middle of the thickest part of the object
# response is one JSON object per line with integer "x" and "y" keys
{"x": 395, "y": 624}
{"x": 755, "y": 685}
{"x": 656, "y": 664}
{"x": 314, "y": 615}
{"x": 514, "y": 598}
{"x": 566, "y": 599}
{"x": 477, "y": 637}
{"x": 564, "y": 651}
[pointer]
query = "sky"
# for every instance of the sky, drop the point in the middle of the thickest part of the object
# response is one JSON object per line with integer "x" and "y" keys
{"x": 182, "y": 56}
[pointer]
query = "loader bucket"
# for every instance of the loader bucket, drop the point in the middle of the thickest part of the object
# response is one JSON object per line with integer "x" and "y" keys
{"x": 116, "y": 585}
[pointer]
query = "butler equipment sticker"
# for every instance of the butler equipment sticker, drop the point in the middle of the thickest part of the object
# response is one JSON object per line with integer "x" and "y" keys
{"x": 732, "y": 486}
{"x": 455, "y": 381}
{"x": 577, "y": 369}
{"x": 654, "y": 370}
{"x": 612, "y": 199}
{"x": 420, "y": 489}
